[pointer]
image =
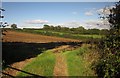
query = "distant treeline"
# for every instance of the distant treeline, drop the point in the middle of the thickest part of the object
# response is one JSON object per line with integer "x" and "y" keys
{"x": 78, "y": 30}
{"x": 79, "y": 33}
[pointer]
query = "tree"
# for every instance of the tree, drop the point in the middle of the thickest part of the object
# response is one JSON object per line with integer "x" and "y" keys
{"x": 46, "y": 27}
{"x": 2, "y": 24}
{"x": 14, "y": 26}
{"x": 80, "y": 30}
{"x": 109, "y": 64}
{"x": 104, "y": 32}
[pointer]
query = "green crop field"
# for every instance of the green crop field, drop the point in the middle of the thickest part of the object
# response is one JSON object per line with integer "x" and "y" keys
{"x": 63, "y": 34}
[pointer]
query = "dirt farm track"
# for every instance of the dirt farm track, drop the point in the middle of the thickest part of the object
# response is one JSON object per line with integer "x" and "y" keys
{"x": 20, "y": 48}
{"x": 12, "y": 36}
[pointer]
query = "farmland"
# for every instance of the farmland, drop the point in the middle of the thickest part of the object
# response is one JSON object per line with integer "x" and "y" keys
{"x": 39, "y": 55}
{"x": 12, "y": 36}
{"x": 82, "y": 37}
{"x": 60, "y": 39}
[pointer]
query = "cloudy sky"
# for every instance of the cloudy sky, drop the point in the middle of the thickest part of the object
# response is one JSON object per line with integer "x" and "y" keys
{"x": 69, "y": 14}
{"x": 60, "y": 0}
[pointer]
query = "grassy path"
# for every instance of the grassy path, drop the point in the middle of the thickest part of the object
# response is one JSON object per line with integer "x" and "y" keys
{"x": 42, "y": 65}
{"x": 62, "y": 61}
{"x": 65, "y": 60}
{"x": 79, "y": 61}
{"x": 60, "y": 68}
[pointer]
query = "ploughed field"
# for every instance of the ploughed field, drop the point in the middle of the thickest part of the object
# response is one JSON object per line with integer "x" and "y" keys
{"x": 26, "y": 54}
{"x": 12, "y": 36}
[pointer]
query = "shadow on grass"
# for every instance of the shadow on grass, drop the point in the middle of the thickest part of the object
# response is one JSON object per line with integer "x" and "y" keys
{"x": 18, "y": 51}
{"x": 31, "y": 74}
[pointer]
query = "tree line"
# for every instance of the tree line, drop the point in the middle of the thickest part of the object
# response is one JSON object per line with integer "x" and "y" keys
{"x": 78, "y": 30}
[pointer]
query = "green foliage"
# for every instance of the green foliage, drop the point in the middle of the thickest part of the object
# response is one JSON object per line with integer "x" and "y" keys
{"x": 109, "y": 64}
{"x": 14, "y": 26}
{"x": 78, "y": 30}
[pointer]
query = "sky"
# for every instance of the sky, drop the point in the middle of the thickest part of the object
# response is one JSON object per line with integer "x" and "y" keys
{"x": 69, "y": 14}
{"x": 60, "y": 0}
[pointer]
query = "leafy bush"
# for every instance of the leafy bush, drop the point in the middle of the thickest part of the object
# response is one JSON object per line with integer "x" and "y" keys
{"x": 109, "y": 64}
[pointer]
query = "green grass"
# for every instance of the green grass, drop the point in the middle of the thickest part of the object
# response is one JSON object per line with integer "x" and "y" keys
{"x": 42, "y": 65}
{"x": 91, "y": 36}
{"x": 63, "y": 34}
{"x": 76, "y": 64}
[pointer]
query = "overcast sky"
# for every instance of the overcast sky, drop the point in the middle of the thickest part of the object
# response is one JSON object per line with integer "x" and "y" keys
{"x": 69, "y": 14}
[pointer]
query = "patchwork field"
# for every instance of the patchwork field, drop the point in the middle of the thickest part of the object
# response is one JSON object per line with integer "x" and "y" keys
{"x": 26, "y": 54}
{"x": 12, "y": 36}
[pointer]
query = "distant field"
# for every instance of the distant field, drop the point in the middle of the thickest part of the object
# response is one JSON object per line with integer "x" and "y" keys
{"x": 63, "y": 34}
{"x": 13, "y": 36}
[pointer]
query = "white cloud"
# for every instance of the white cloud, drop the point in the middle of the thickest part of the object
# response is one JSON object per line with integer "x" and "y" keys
{"x": 99, "y": 24}
{"x": 53, "y": 24}
{"x": 36, "y": 21}
{"x": 74, "y": 13}
{"x": 88, "y": 24}
{"x": 25, "y": 25}
{"x": 72, "y": 24}
{"x": 105, "y": 10}
{"x": 89, "y": 13}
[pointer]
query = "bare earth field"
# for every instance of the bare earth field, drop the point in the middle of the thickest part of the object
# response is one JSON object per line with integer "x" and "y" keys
{"x": 12, "y": 36}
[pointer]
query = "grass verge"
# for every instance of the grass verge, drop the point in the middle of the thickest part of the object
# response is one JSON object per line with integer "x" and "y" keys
{"x": 77, "y": 62}
{"x": 42, "y": 65}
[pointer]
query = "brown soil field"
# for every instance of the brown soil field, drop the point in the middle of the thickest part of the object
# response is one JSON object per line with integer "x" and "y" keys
{"x": 12, "y": 36}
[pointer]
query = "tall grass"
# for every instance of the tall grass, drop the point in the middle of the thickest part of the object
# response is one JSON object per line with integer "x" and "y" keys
{"x": 77, "y": 64}
{"x": 42, "y": 65}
